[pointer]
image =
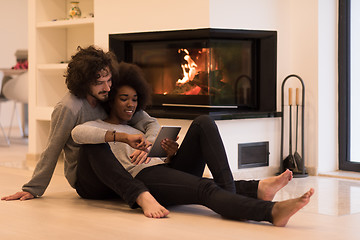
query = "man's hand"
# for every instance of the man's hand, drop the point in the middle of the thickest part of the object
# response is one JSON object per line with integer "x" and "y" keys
{"x": 139, "y": 157}
{"x": 170, "y": 147}
{"x": 18, "y": 196}
{"x": 138, "y": 141}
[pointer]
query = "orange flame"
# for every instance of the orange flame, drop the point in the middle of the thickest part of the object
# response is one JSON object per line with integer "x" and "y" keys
{"x": 189, "y": 68}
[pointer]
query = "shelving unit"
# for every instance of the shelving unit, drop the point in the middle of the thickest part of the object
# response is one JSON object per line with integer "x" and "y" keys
{"x": 53, "y": 39}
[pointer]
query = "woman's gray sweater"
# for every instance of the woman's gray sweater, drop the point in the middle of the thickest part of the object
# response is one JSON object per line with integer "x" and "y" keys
{"x": 94, "y": 132}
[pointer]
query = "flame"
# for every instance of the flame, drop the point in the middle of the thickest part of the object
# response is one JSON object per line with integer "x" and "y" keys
{"x": 189, "y": 68}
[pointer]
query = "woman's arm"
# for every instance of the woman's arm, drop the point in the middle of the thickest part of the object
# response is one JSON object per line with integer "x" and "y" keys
{"x": 136, "y": 141}
{"x": 146, "y": 124}
{"x": 89, "y": 134}
{"x": 150, "y": 127}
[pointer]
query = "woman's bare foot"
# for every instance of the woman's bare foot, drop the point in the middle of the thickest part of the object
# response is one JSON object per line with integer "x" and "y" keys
{"x": 150, "y": 206}
{"x": 269, "y": 187}
{"x": 282, "y": 211}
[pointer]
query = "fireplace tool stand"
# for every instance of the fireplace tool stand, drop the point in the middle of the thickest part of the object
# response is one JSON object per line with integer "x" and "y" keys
{"x": 294, "y": 161}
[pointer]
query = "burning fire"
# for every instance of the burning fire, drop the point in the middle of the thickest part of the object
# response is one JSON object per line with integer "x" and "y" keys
{"x": 189, "y": 68}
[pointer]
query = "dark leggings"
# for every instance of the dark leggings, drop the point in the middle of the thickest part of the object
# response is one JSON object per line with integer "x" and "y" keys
{"x": 203, "y": 145}
{"x": 172, "y": 187}
{"x": 100, "y": 175}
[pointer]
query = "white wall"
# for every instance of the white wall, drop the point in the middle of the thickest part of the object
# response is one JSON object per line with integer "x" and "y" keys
{"x": 13, "y": 29}
{"x": 328, "y": 86}
{"x": 304, "y": 62}
{"x": 305, "y": 47}
{"x": 123, "y": 16}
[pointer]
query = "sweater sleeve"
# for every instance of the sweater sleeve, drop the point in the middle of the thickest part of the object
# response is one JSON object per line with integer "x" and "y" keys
{"x": 146, "y": 124}
{"x": 87, "y": 133}
{"x": 62, "y": 122}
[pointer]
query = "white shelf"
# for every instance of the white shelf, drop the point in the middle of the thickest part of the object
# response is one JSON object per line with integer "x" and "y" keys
{"x": 66, "y": 23}
{"x": 52, "y": 42}
{"x": 52, "y": 66}
{"x": 44, "y": 113}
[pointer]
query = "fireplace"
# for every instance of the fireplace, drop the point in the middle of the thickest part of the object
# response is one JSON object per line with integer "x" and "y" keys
{"x": 213, "y": 71}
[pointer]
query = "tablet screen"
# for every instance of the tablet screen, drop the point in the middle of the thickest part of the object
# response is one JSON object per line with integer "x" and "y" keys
{"x": 169, "y": 132}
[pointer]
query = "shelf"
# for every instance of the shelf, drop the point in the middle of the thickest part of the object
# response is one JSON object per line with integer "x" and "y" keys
{"x": 53, "y": 40}
{"x": 44, "y": 113}
{"x": 66, "y": 23}
{"x": 52, "y": 66}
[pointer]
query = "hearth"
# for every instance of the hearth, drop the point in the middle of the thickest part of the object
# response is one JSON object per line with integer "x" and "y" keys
{"x": 204, "y": 70}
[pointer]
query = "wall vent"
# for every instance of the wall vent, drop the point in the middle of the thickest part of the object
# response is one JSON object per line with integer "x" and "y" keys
{"x": 253, "y": 155}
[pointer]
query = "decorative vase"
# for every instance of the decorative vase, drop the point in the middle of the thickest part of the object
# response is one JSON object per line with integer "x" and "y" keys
{"x": 74, "y": 11}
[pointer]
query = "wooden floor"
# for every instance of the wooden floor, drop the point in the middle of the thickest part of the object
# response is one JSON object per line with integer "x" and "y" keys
{"x": 333, "y": 213}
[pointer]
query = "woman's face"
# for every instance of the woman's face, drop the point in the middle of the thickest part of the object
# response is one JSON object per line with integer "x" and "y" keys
{"x": 125, "y": 103}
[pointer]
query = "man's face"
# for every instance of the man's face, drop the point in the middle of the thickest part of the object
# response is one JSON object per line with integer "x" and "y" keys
{"x": 100, "y": 89}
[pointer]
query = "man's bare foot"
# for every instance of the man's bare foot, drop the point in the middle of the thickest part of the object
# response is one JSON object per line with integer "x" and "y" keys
{"x": 150, "y": 206}
{"x": 282, "y": 211}
{"x": 269, "y": 187}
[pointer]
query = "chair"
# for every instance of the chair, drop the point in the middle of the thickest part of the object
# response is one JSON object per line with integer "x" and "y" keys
{"x": 16, "y": 89}
{"x": 13, "y": 89}
{"x": 2, "y": 100}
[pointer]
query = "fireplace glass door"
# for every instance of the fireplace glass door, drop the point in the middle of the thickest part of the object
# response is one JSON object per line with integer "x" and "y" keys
{"x": 202, "y": 73}
{"x": 205, "y": 70}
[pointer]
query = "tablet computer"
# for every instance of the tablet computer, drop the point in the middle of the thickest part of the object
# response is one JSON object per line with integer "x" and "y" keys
{"x": 169, "y": 132}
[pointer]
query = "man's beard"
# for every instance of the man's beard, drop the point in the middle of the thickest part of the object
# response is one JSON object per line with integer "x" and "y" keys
{"x": 99, "y": 94}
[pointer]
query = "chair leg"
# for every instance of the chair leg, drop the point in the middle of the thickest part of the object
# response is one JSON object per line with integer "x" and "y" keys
{"x": 15, "y": 111}
{"x": 3, "y": 131}
{"x": 19, "y": 121}
{"x": 6, "y": 137}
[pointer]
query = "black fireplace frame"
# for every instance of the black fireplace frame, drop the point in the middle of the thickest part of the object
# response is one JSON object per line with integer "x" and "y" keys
{"x": 265, "y": 45}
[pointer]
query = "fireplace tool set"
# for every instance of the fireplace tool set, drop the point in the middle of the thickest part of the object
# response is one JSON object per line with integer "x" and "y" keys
{"x": 295, "y": 160}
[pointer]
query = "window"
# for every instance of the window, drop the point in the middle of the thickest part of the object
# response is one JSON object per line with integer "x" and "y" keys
{"x": 349, "y": 85}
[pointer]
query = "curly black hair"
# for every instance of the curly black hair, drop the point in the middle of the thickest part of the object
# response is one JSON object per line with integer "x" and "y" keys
{"x": 130, "y": 75}
{"x": 84, "y": 66}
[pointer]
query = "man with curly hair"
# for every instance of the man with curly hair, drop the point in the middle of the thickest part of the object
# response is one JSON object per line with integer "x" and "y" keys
{"x": 89, "y": 78}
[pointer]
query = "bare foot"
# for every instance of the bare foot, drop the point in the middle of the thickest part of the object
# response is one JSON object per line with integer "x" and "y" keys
{"x": 150, "y": 206}
{"x": 282, "y": 211}
{"x": 270, "y": 186}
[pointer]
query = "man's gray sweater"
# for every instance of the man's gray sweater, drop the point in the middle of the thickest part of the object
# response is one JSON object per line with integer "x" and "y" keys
{"x": 68, "y": 113}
